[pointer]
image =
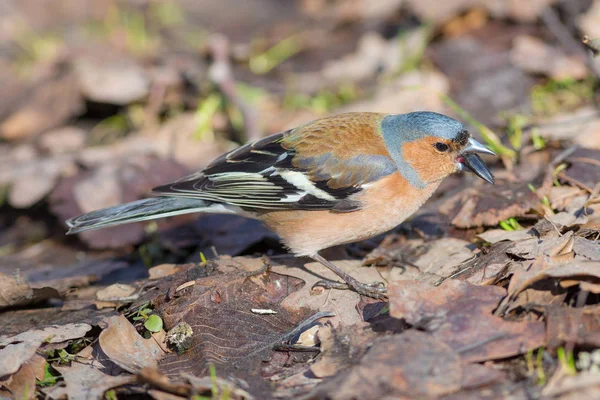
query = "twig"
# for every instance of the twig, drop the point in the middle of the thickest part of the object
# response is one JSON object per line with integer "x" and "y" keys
{"x": 221, "y": 75}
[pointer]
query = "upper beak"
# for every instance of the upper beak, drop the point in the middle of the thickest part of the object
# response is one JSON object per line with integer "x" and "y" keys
{"x": 471, "y": 161}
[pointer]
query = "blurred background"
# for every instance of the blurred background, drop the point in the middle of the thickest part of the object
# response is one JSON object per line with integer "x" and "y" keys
{"x": 101, "y": 100}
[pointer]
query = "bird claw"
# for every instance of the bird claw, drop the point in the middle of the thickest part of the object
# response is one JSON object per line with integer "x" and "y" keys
{"x": 375, "y": 290}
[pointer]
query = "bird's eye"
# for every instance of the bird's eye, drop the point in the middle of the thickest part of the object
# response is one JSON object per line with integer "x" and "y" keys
{"x": 439, "y": 146}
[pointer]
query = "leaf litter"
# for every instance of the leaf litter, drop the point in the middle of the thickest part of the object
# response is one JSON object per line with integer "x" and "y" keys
{"x": 493, "y": 291}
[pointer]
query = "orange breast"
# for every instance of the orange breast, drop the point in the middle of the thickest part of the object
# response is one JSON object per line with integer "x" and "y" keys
{"x": 387, "y": 203}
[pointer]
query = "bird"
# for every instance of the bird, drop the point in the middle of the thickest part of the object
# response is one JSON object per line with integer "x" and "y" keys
{"x": 332, "y": 181}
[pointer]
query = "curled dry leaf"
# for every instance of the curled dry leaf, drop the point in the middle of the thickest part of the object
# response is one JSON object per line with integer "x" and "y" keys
{"x": 22, "y": 383}
{"x": 15, "y": 292}
{"x": 126, "y": 348}
{"x": 460, "y": 314}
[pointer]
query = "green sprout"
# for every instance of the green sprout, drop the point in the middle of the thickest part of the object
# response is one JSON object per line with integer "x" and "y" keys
{"x": 50, "y": 376}
{"x": 204, "y": 116}
{"x": 535, "y": 365}
{"x": 110, "y": 395}
{"x": 152, "y": 322}
{"x": 490, "y": 138}
{"x": 215, "y": 387}
{"x": 538, "y": 141}
{"x": 510, "y": 224}
{"x": 270, "y": 59}
{"x": 566, "y": 360}
{"x": 515, "y": 130}
{"x": 322, "y": 102}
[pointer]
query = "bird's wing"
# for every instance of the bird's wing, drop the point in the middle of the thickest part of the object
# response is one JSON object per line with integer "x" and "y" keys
{"x": 287, "y": 171}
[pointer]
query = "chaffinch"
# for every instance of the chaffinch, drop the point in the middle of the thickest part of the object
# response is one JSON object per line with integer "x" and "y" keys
{"x": 332, "y": 181}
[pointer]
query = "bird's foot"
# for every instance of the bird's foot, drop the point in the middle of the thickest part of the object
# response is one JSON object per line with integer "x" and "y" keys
{"x": 375, "y": 290}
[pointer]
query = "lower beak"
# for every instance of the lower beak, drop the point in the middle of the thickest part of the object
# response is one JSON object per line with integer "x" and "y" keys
{"x": 471, "y": 161}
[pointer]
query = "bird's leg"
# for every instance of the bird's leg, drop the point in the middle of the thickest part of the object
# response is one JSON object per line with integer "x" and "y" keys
{"x": 375, "y": 290}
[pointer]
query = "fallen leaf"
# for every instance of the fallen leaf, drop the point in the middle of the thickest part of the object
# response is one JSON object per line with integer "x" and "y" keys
{"x": 584, "y": 169}
{"x": 89, "y": 376}
{"x": 114, "y": 81}
{"x": 341, "y": 302}
{"x": 460, "y": 314}
{"x": 49, "y": 334}
{"x": 17, "y": 349}
{"x": 22, "y": 384}
{"x": 66, "y": 139}
{"x": 15, "y": 292}
{"x": 541, "y": 270}
{"x": 126, "y": 348}
{"x": 409, "y": 365}
{"x": 225, "y": 330}
{"x": 535, "y": 56}
{"x": 576, "y": 326}
{"x": 15, "y": 355}
{"x": 487, "y": 206}
{"x": 339, "y": 347}
{"x": 115, "y": 292}
{"x": 493, "y": 236}
{"x": 51, "y": 103}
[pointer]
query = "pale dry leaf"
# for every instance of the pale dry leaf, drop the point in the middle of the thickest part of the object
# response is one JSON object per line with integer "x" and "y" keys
{"x": 341, "y": 302}
{"x": 49, "y": 334}
{"x": 126, "y": 348}
{"x": 115, "y": 292}
{"x": 14, "y": 291}
{"x": 90, "y": 376}
{"x": 22, "y": 384}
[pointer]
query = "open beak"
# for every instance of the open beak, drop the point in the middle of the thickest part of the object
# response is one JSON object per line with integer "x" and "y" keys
{"x": 471, "y": 161}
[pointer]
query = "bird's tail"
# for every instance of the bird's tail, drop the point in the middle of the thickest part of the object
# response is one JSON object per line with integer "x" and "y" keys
{"x": 140, "y": 210}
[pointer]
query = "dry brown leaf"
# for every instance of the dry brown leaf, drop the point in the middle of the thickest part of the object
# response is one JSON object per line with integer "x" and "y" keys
{"x": 535, "y": 56}
{"x": 126, "y": 348}
{"x": 51, "y": 103}
{"x": 16, "y": 292}
{"x": 493, "y": 236}
{"x": 22, "y": 384}
{"x": 460, "y": 314}
{"x": 409, "y": 365}
{"x": 160, "y": 271}
{"x": 14, "y": 356}
{"x": 488, "y": 205}
{"x": 584, "y": 169}
{"x": 218, "y": 309}
{"x": 89, "y": 376}
{"x": 116, "y": 292}
{"x": 576, "y": 326}
{"x": 117, "y": 81}
{"x": 541, "y": 270}
{"x": 341, "y": 302}
{"x": 17, "y": 349}
{"x": 339, "y": 347}
{"x": 49, "y": 334}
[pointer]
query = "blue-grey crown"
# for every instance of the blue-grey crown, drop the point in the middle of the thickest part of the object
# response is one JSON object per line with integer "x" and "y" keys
{"x": 416, "y": 125}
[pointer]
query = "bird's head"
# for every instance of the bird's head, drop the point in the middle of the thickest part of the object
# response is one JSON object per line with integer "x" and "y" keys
{"x": 427, "y": 147}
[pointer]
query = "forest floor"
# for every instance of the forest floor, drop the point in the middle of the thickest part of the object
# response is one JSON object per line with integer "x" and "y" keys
{"x": 494, "y": 291}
